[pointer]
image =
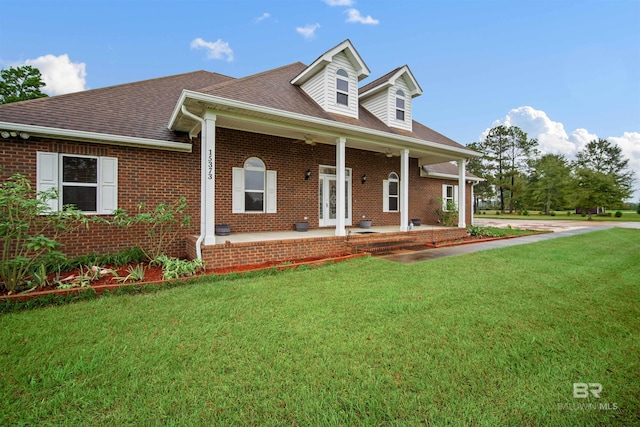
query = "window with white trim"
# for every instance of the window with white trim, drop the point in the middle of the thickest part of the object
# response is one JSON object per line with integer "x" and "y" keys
{"x": 400, "y": 105}
{"x": 90, "y": 183}
{"x": 254, "y": 188}
{"x": 342, "y": 87}
{"x": 391, "y": 193}
{"x": 449, "y": 197}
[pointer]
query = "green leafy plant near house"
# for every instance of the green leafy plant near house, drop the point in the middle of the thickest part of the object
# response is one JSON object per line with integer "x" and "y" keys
{"x": 173, "y": 268}
{"x": 30, "y": 231}
{"x": 447, "y": 212}
{"x": 161, "y": 225}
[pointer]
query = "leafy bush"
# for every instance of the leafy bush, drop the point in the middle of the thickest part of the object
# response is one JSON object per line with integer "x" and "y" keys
{"x": 552, "y": 213}
{"x": 447, "y": 216}
{"x": 638, "y": 210}
{"x": 162, "y": 225}
{"x": 172, "y": 268}
{"x": 525, "y": 212}
{"x": 605, "y": 214}
{"x": 618, "y": 214}
{"x": 497, "y": 212}
{"x": 25, "y": 223}
{"x": 477, "y": 230}
{"x": 568, "y": 213}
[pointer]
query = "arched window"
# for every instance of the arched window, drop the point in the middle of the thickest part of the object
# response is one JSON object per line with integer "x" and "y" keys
{"x": 254, "y": 182}
{"x": 400, "y": 105}
{"x": 342, "y": 87}
{"x": 391, "y": 196}
{"x": 254, "y": 188}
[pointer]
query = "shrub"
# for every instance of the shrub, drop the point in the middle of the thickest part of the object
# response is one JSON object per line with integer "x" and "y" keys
{"x": 162, "y": 225}
{"x": 583, "y": 215}
{"x": 447, "y": 216}
{"x": 618, "y": 214}
{"x": 568, "y": 213}
{"x": 25, "y": 222}
{"x": 497, "y": 212}
{"x": 172, "y": 268}
{"x": 552, "y": 213}
{"x": 638, "y": 210}
{"x": 525, "y": 212}
{"x": 605, "y": 214}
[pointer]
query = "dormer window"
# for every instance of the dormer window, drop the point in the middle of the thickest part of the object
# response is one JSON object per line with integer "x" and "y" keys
{"x": 342, "y": 87}
{"x": 400, "y": 105}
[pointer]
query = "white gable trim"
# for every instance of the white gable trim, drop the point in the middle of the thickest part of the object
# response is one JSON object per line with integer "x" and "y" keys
{"x": 361, "y": 68}
{"x": 404, "y": 72}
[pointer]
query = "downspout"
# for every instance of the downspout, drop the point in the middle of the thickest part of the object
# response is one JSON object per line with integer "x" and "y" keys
{"x": 202, "y": 190}
{"x": 473, "y": 200}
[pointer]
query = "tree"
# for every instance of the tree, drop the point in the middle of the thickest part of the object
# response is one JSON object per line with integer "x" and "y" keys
{"x": 20, "y": 83}
{"x": 506, "y": 153}
{"x": 482, "y": 190}
{"x": 549, "y": 182}
{"x": 602, "y": 156}
{"x": 594, "y": 189}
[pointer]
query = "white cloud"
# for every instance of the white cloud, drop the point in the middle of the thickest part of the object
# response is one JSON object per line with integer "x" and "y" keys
{"x": 60, "y": 74}
{"x": 308, "y": 31}
{"x": 354, "y": 16}
{"x": 262, "y": 17}
{"x": 552, "y": 138}
{"x": 339, "y": 2}
{"x": 215, "y": 50}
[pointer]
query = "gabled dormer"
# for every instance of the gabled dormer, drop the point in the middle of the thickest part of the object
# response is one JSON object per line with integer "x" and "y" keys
{"x": 389, "y": 98}
{"x": 332, "y": 79}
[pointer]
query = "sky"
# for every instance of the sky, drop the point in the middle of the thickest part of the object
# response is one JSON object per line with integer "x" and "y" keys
{"x": 564, "y": 71}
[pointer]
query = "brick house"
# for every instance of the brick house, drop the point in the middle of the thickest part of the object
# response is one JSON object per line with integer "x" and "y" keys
{"x": 260, "y": 153}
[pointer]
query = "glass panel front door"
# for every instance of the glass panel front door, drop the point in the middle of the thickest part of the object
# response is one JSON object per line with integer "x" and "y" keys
{"x": 328, "y": 200}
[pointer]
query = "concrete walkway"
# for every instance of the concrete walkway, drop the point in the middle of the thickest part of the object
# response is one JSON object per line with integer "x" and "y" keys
{"x": 560, "y": 228}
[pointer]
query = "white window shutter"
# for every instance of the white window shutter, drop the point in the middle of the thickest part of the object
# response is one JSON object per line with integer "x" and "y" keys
{"x": 108, "y": 167}
{"x": 47, "y": 175}
{"x": 238, "y": 190}
{"x": 272, "y": 191}
{"x": 385, "y": 195}
{"x": 455, "y": 195}
{"x": 444, "y": 197}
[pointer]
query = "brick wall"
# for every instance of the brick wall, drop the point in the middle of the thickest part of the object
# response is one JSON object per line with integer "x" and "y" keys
{"x": 154, "y": 176}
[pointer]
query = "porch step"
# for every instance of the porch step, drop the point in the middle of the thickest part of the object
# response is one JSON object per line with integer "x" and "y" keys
{"x": 379, "y": 245}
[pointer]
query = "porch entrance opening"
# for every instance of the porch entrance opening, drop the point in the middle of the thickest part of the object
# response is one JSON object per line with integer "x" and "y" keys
{"x": 327, "y": 202}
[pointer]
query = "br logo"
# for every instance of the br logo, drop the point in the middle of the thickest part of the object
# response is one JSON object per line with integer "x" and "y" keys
{"x": 582, "y": 390}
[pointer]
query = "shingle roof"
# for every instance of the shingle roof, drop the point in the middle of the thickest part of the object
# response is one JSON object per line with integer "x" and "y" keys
{"x": 273, "y": 89}
{"x": 447, "y": 169}
{"x": 141, "y": 109}
{"x": 378, "y": 81}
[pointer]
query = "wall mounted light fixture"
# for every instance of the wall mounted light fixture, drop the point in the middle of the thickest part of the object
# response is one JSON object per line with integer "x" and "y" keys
{"x": 307, "y": 174}
{"x": 363, "y": 179}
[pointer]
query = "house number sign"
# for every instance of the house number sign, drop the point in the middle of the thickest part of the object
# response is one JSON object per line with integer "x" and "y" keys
{"x": 210, "y": 165}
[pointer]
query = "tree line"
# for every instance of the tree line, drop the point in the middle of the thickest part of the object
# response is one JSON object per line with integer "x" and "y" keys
{"x": 522, "y": 178}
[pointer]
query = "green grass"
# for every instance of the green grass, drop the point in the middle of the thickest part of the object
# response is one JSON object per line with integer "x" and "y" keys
{"x": 627, "y": 216}
{"x": 491, "y": 338}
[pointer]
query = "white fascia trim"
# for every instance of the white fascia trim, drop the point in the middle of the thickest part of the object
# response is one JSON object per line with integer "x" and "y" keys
{"x": 391, "y": 81}
{"x": 340, "y": 127}
{"x": 450, "y": 176}
{"x": 101, "y": 138}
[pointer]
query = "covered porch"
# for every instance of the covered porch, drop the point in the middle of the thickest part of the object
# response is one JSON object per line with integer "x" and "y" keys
{"x": 239, "y": 249}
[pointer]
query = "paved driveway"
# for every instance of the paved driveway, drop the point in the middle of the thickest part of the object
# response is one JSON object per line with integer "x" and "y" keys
{"x": 559, "y": 228}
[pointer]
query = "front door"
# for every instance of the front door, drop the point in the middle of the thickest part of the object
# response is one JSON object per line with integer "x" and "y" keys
{"x": 327, "y": 200}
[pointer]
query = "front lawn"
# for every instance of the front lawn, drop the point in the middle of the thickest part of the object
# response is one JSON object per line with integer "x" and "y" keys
{"x": 491, "y": 338}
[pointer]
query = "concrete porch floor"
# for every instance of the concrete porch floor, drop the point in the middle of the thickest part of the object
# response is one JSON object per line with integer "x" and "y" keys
{"x": 261, "y": 236}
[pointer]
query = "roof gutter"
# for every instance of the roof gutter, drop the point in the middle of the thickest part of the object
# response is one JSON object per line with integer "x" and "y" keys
{"x": 102, "y": 138}
{"x": 352, "y": 129}
{"x": 202, "y": 183}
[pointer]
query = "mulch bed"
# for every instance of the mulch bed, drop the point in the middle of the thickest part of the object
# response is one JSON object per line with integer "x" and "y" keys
{"x": 153, "y": 276}
{"x": 476, "y": 239}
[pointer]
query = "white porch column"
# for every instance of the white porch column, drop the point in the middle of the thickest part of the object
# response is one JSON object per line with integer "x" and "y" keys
{"x": 208, "y": 179}
{"x": 462, "y": 205}
{"x": 473, "y": 203}
{"x": 404, "y": 190}
{"x": 341, "y": 178}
